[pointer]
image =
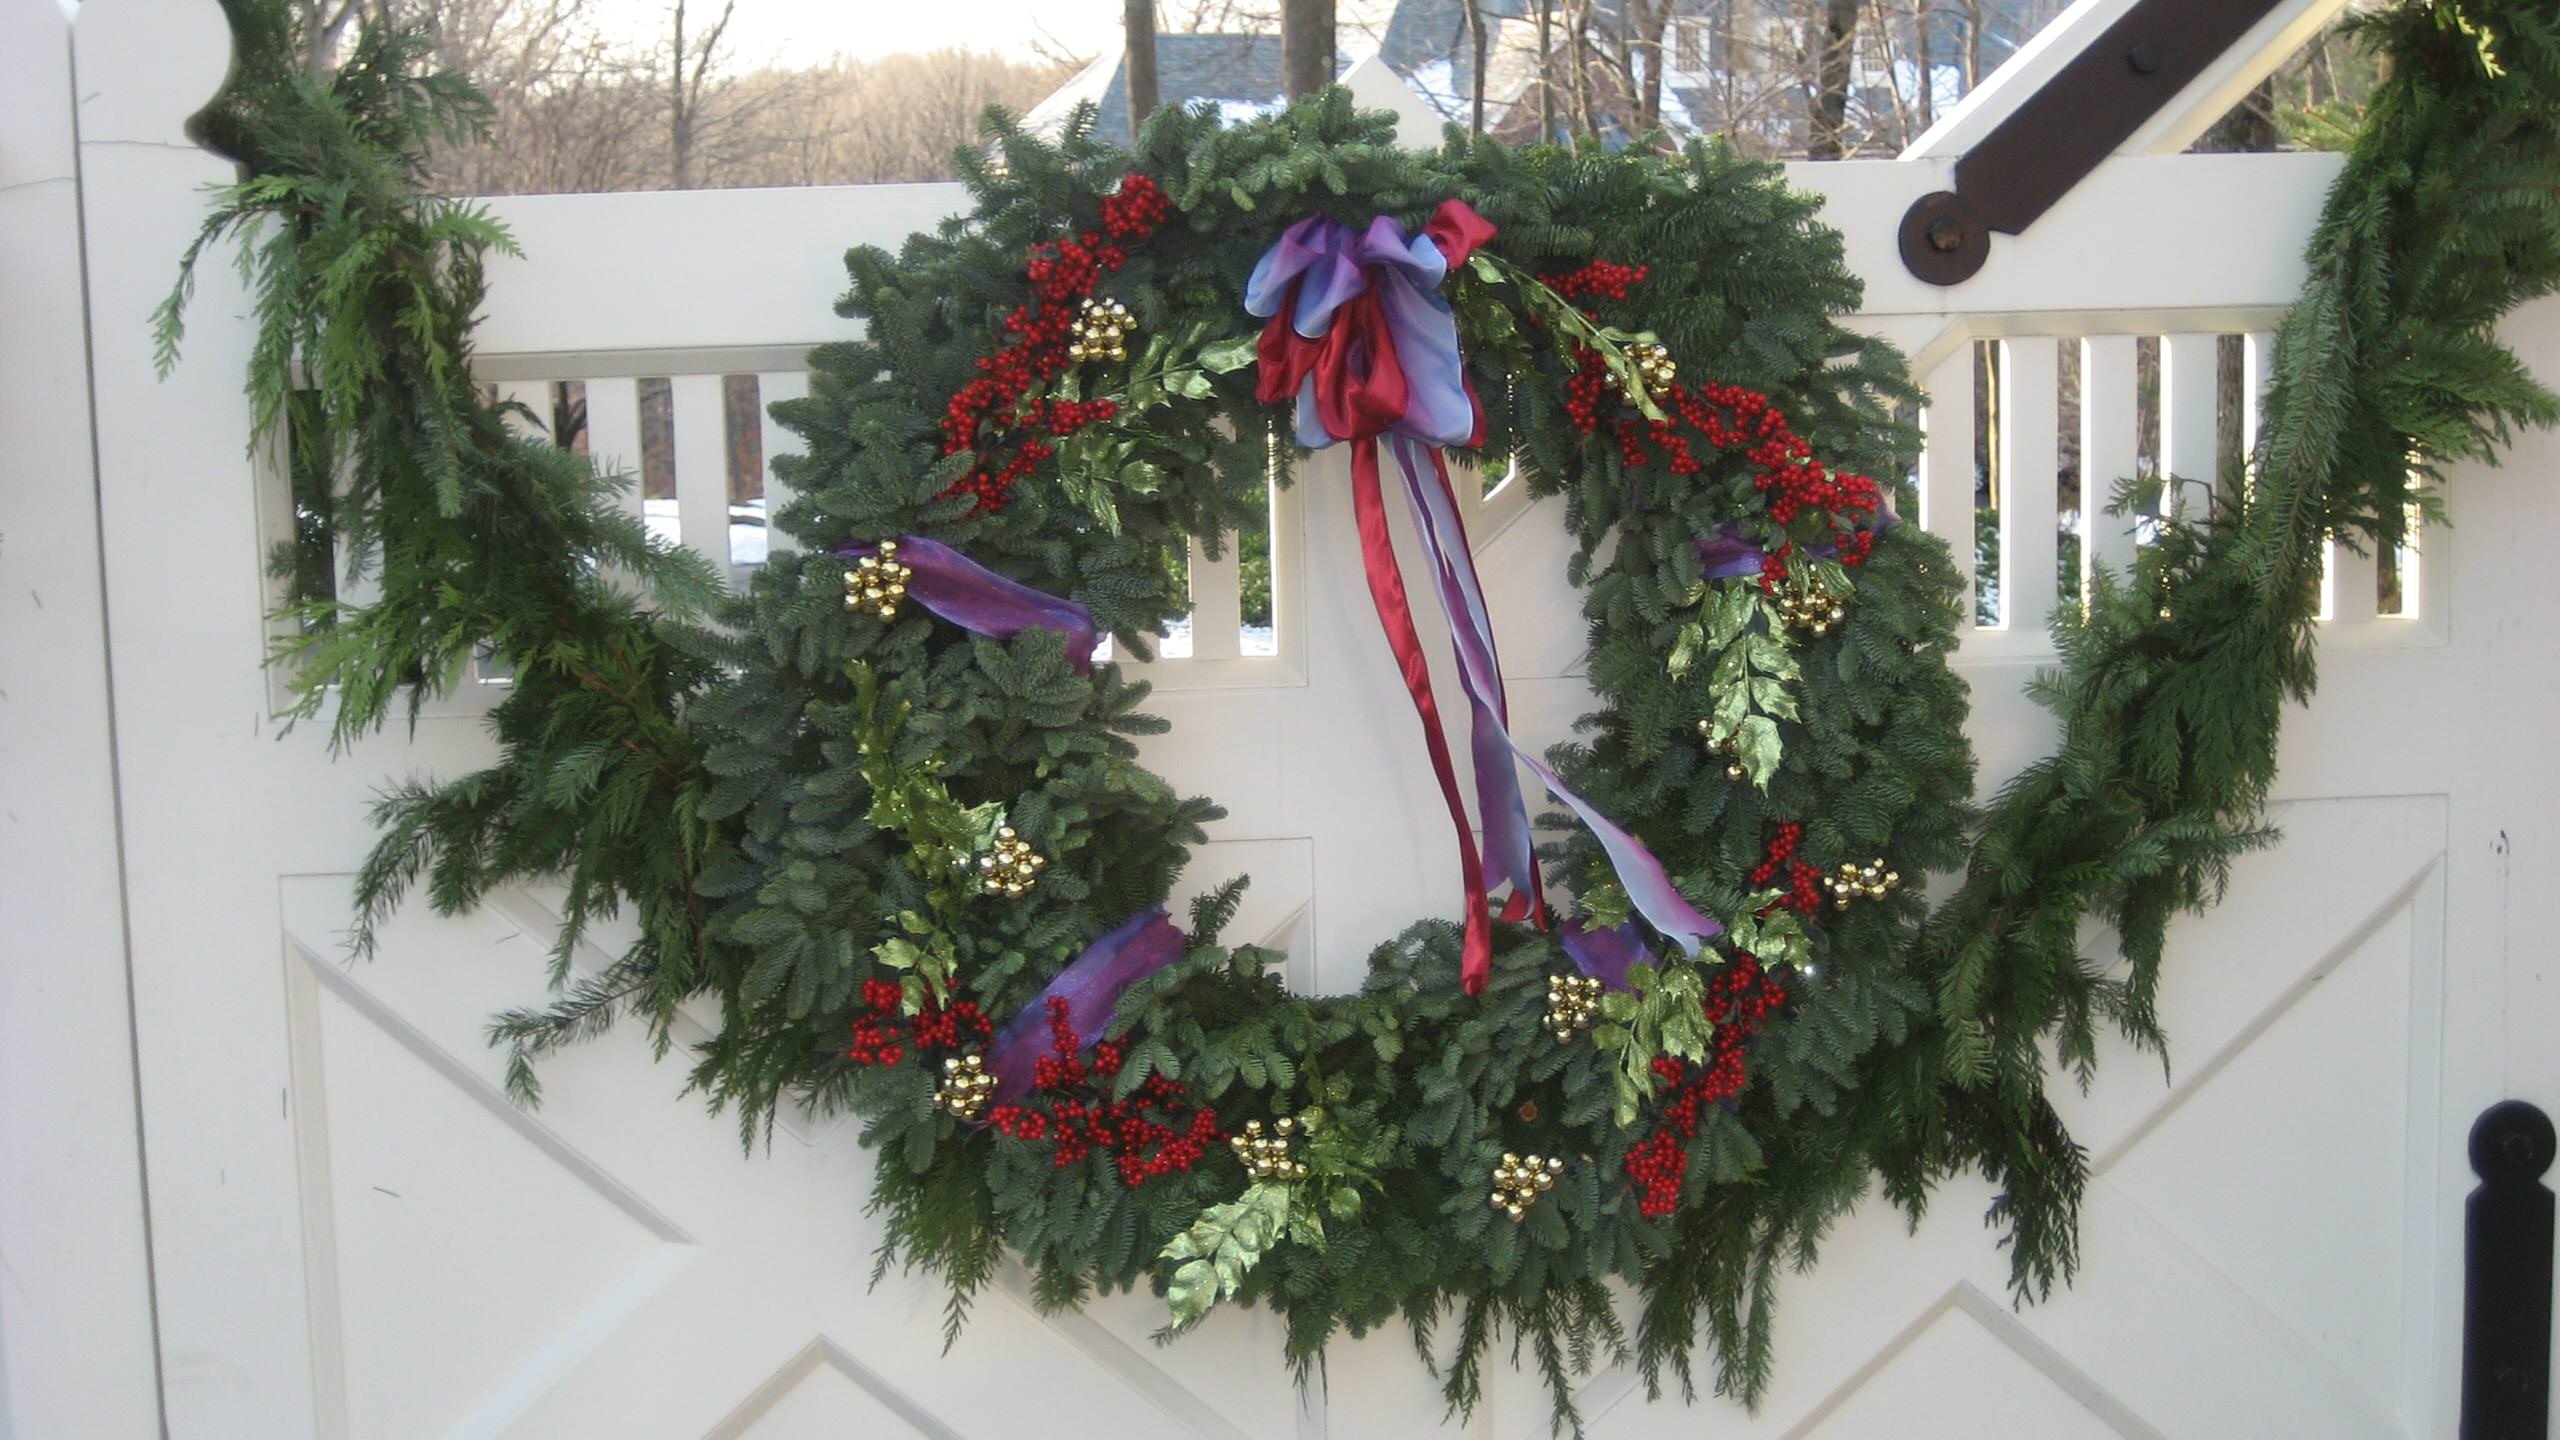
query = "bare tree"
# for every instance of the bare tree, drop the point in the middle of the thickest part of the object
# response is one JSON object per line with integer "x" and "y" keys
{"x": 1546, "y": 72}
{"x": 1833, "y": 38}
{"x": 567, "y": 109}
{"x": 1222, "y": 17}
{"x": 1480, "y": 41}
{"x": 688, "y": 85}
{"x": 323, "y": 25}
{"x": 1306, "y": 46}
{"x": 898, "y": 118}
{"x": 1138, "y": 29}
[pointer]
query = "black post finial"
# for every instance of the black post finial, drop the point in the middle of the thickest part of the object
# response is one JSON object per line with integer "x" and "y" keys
{"x": 2506, "y": 1290}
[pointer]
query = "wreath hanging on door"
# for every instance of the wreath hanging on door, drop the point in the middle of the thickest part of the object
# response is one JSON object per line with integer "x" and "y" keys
{"x": 889, "y": 814}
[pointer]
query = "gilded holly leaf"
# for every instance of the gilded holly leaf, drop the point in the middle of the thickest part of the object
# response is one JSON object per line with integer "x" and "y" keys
{"x": 1230, "y": 354}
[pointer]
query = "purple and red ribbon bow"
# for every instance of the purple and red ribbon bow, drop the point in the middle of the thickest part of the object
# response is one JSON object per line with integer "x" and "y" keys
{"x": 1361, "y": 337}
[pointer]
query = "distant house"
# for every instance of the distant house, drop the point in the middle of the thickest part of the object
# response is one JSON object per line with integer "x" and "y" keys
{"x": 1239, "y": 74}
{"x": 1737, "y": 66}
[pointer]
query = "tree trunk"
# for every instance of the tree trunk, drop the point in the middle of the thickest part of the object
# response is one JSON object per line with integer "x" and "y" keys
{"x": 1306, "y": 46}
{"x": 1835, "y": 44}
{"x": 1546, "y": 73}
{"x": 1475, "y": 77}
{"x": 1138, "y": 27}
{"x": 1578, "y": 19}
{"x": 2249, "y": 128}
{"x": 1654, "y": 21}
{"x": 679, "y": 113}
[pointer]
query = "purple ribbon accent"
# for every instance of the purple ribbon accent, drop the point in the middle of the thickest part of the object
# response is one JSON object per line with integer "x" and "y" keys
{"x": 1729, "y": 556}
{"x": 983, "y": 602}
{"x": 1337, "y": 267}
{"x": 1092, "y": 986}
{"x": 1604, "y": 955}
{"x": 1502, "y": 811}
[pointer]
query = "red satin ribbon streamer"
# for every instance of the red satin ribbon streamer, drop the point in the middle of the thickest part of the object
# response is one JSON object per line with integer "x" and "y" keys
{"x": 1360, "y": 392}
{"x": 1395, "y": 615}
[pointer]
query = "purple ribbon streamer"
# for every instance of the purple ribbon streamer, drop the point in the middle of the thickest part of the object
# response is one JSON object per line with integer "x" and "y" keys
{"x": 1504, "y": 815}
{"x": 1604, "y": 955}
{"x": 1337, "y": 267}
{"x": 983, "y": 602}
{"x": 1092, "y": 986}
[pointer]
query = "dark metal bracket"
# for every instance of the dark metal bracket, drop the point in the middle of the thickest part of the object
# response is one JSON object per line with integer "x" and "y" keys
{"x": 2076, "y": 120}
{"x": 2506, "y": 1281}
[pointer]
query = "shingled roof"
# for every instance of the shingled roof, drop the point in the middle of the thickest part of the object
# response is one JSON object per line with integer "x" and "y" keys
{"x": 1238, "y": 73}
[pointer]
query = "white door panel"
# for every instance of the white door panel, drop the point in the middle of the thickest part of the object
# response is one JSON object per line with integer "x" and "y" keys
{"x": 355, "y": 1235}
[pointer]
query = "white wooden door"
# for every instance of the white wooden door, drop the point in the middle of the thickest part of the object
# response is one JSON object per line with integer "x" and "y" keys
{"x": 355, "y": 1235}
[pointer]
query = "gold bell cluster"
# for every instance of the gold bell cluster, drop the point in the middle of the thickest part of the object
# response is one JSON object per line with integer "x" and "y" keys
{"x": 876, "y": 583}
{"x": 1520, "y": 1179}
{"x": 1655, "y": 369}
{"x": 1572, "y": 1001}
{"x": 1870, "y": 881}
{"x": 1813, "y": 608}
{"x": 966, "y": 1087}
{"x": 1101, "y": 332}
{"x": 1266, "y": 1157}
{"x": 1730, "y": 747}
{"x": 1010, "y": 869}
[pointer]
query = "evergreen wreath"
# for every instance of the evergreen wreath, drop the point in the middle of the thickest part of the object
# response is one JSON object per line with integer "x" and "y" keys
{"x": 875, "y": 837}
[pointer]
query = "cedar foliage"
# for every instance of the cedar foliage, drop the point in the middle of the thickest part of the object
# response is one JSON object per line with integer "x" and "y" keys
{"x": 762, "y": 789}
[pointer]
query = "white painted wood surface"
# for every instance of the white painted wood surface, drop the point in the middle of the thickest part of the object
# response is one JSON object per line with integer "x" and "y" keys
{"x": 356, "y": 1236}
{"x": 75, "y": 1300}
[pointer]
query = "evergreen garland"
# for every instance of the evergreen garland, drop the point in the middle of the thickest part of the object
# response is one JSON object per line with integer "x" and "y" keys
{"x": 785, "y": 796}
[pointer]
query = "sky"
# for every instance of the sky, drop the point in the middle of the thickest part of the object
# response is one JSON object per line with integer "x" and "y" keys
{"x": 804, "y": 32}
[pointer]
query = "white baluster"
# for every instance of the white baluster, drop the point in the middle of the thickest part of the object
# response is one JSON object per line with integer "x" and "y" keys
{"x": 534, "y": 395}
{"x": 1946, "y": 464}
{"x": 2353, "y": 585}
{"x": 773, "y": 387}
{"x": 2190, "y": 389}
{"x": 2109, "y": 450}
{"x": 613, "y": 436}
{"x": 1217, "y": 601}
{"x": 2030, "y": 381}
{"x": 2257, "y": 372}
{"x": 702, "y": 468}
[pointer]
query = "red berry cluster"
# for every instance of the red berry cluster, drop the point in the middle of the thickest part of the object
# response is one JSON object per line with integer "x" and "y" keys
{"x": 1603, "y": 279}
{"x": 1732, "y": 419}
{"x": 1728, "y": 418}
{"x": 1738, "y": 998}
{"x": 1136, "y": 208}
{"x": 1080, "y": 1121}
{"x": 997, "y": 409}
{"x": 877, "y": 1037}
{"x": 1785, "y": 461}
{"x": 1804, "y": 882}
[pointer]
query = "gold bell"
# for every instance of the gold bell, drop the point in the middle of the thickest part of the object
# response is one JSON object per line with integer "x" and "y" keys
{"x": 1101, "y": 332}
{"x": 1655, "y": 369}
{"x": 1730, "y": 747}
{"x": 1520, "y": 1179}
{"x": 1011, "y": 868}
{"x": 1267, "y": 1157}
{"x": 1572, "y": 1001}
{"x": 966, "y": 1087}
{"x": 1871, "y": 881}
{"x": 874, "y": 584}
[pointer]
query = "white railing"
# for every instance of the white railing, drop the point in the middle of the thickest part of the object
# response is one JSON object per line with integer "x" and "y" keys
{"x": 2167, "y": 255}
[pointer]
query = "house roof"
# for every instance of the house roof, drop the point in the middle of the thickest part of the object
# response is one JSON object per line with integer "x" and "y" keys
{"x": 1426, "y": 45}
{"x": 1238, "y": 73}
